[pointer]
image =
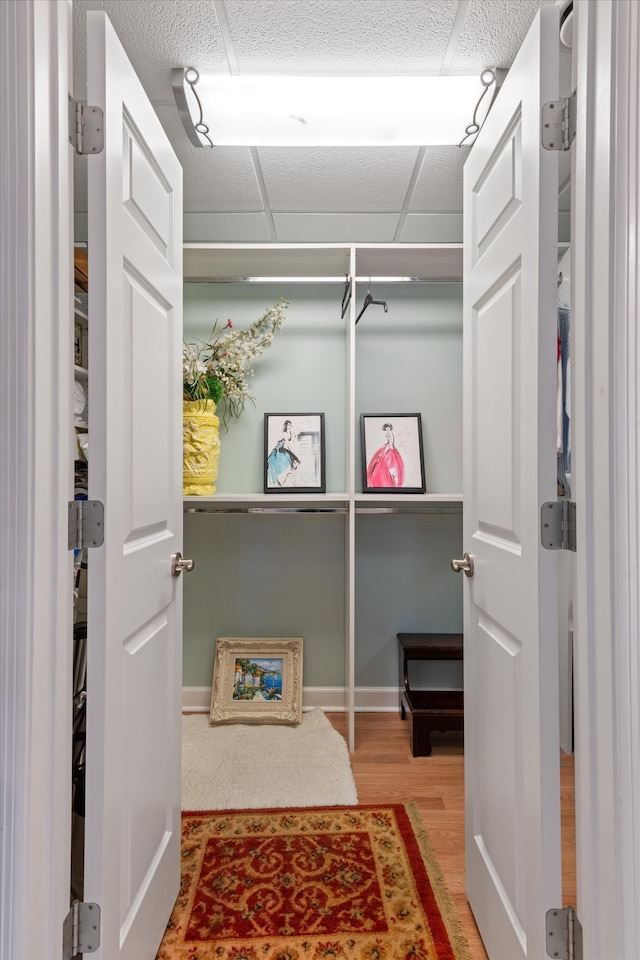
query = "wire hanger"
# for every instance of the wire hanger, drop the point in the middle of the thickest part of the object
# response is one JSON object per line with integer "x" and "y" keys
{"x": 346, "y": 296}
{"x": 368, "y": 300}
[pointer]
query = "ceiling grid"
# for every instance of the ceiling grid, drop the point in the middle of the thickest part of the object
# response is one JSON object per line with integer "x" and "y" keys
{"x": 225, "y": 33}
{"x": 323, "y": 194}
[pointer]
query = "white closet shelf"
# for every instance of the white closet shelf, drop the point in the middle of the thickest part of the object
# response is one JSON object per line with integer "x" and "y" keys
{"x": 320, "y": 503}
{"x": 321, "y": 262}
{"x": 260, "y": 501}
{"x": 397, "y": 499}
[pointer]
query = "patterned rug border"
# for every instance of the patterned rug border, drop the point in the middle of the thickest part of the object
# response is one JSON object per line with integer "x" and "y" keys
{"x": 443, "y": 896}
{"x": 446, "y": 906}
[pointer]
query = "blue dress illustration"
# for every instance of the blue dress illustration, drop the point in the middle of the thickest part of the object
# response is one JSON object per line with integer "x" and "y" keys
{"x": 282, "y": 462}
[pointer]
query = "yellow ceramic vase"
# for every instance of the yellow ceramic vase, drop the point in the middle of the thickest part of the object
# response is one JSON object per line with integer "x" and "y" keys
{"x": 201, "y": 448}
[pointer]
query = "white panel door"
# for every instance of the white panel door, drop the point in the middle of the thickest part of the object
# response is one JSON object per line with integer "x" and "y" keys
{"x": 132, "y": 849}
{"x": 511, "y": 649}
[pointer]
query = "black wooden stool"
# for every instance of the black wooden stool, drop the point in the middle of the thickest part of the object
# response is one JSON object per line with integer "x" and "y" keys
{"x": 429, "y": 710}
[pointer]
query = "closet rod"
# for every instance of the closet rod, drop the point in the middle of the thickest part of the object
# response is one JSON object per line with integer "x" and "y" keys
{"x": 367, "y": 279}
{"x": 372, "y": 279}
{"x": 426, "y": 510}
{"x": 265, "y": 279}
{"x": 410, "y": 511}
{"x": 265, "y": 510}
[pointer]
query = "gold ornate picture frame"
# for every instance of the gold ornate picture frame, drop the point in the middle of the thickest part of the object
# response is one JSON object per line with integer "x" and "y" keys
{"x": 257, "y": 680}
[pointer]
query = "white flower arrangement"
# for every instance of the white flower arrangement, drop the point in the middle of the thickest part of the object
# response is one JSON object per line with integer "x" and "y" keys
{"x": 217, "y": 368}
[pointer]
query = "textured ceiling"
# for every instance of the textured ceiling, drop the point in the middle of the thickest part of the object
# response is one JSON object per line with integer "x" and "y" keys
{"x": 284, "y": 194}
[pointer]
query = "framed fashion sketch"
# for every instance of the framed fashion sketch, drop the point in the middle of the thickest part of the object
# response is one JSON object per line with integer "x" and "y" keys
{"x": 392, "y": 453}
{"x": 257, "y": 680}
{"x": 294, "y": 453}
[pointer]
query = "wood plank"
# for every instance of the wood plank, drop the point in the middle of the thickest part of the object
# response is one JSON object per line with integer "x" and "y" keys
{"x": 385, "y": 772}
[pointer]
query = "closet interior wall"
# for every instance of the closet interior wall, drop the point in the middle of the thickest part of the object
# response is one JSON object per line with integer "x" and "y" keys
{"x": 346, "y": 570}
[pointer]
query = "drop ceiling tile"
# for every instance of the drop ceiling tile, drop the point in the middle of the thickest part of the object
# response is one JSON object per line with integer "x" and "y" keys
{"x": 226, "y": 228}
{"x": 431, "y": 228}
{"x": 218, "y": 178}
{"x": 492, "y": 33}
{"x": 337, "y": 179}
{"x": 157, "y": 36}
{"x": 335, "y": 228}
{"x": 341, "y": 194}
{"x": 439, "y": 183}
{"x": 334, "y": 36}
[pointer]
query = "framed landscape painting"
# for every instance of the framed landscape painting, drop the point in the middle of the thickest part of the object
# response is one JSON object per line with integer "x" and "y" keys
{"x": 257, "y": 680}
{"x": 294, "y": 453}
{"x": 392, "y": 453}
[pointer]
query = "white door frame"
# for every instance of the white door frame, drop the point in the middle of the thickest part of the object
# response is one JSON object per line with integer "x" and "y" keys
{"x": 36, "y": 478}
{"x": 606, "y": 447}
{"x": 35, "y": 444}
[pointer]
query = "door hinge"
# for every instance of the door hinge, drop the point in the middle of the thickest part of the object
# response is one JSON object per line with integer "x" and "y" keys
{"x": 564, "y": 934}
{"x": 81, "y": 929}
{"x": 86, "y": 524}
{"x": 559, "y": 123}
{"x": 86, "y": 127}
{"x": 558, "y": 525}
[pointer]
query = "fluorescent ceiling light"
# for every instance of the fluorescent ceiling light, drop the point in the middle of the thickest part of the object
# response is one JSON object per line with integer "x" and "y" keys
{"x": 220, "y": 110}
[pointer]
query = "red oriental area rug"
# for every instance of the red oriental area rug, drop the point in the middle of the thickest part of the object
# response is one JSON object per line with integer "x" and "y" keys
{"x": 331, "y": 883}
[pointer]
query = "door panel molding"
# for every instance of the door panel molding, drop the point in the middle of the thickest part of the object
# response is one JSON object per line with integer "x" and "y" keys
{"x": 512, "y": 784}
{"x": 132, "y": 812}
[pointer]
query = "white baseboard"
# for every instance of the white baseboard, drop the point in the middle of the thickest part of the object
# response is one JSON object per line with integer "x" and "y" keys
{"x": 329, "y": 699}
{"x": 377, "y": 699}
{"x": 196, "y": 699}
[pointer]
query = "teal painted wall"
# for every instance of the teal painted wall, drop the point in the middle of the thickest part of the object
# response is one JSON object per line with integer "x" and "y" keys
{"x": 404, "y": 584}
{"x": 409, "y": 360}
{"x": 266, "y": 576}
{"x": 304, "y": 371}
{"x": 284, "y": 575}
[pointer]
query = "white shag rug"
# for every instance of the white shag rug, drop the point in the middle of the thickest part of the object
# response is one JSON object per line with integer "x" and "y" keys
{"x": 241, "y": 766}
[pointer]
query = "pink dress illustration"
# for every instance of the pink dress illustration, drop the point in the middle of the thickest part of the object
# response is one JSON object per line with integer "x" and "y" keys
{"x": 386, "y": 466}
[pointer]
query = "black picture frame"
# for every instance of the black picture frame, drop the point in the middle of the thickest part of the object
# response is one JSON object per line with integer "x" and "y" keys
{"x": 392, "y": 453}
{"x": 294, "y": 453}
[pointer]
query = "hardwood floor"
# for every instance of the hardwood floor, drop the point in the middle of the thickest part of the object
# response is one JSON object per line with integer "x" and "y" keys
{"x": 385, "y": 771}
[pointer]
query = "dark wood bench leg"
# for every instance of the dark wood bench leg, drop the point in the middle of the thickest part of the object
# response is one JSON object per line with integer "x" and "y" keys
{"x": 421, "y": 737}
